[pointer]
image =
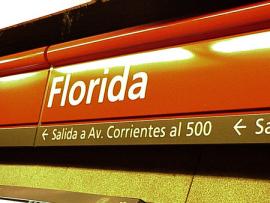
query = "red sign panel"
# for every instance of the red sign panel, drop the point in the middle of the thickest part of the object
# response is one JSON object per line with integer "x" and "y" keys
{"x": 214, "y": 75}
{"x": 21, "y": 94}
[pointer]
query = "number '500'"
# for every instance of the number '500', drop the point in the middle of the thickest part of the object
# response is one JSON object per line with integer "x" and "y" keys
{"x": 199, "y": 128}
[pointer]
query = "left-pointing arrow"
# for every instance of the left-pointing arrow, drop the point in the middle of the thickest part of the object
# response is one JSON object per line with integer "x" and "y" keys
{"x": 237, "y": 127}
{"x": 45, "y": 134}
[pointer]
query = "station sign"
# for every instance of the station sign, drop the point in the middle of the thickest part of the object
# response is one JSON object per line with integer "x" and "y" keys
{"x": 153, "y": 88}
{"x": 141, "y": 98}
{"x": 192, "y": 79}
{"x": 253, "y": 128}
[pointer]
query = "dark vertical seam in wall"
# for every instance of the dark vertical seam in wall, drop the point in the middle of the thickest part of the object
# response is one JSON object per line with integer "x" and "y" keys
{"x": 194, "y": 174}
{"x": 44, "y": 93}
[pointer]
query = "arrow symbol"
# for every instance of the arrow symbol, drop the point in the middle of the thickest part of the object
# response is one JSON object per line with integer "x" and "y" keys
{"x": 45, "y": 134}
{"x": 237, "y": 126}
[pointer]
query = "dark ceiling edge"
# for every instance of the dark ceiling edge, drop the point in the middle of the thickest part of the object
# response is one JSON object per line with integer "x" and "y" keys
{"x": 47, "y": 16}
{"x": 103, "y": 16}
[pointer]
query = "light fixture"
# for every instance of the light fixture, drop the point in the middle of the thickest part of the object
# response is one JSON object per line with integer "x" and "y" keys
{"x": 171, "y": 54}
